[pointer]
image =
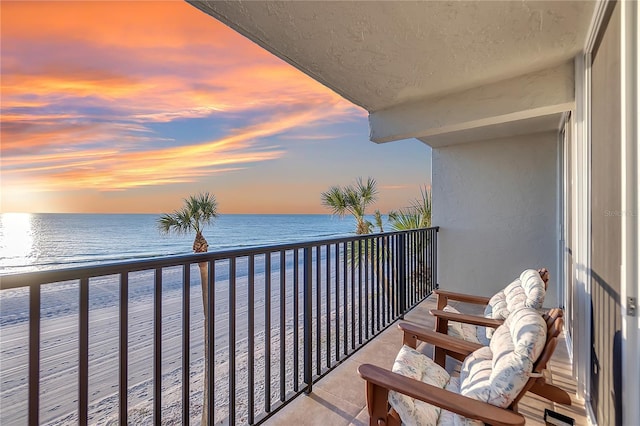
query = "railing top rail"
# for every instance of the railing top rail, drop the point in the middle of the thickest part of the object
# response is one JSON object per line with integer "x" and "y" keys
{"x": 37, "y": 278}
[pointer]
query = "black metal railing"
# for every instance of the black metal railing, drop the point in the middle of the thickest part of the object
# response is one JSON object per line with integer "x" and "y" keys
{"x": 279, "y": 318}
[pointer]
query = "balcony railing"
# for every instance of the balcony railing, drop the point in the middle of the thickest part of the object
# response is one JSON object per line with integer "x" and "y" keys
{"x": 279, "y": 318}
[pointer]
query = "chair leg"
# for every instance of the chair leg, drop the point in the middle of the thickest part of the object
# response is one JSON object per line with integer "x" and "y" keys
{"x": 377, "y": 404}
{"x": 439, "y": 354}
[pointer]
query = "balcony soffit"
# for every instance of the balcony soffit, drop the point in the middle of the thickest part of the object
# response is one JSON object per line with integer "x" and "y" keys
{"x": 382, "y": 54}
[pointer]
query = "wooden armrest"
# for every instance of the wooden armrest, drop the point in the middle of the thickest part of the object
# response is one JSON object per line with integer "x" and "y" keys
{"x": 461, "y": 297}
{"x": 414, "y": 332}
{"x": 457, "y": 403}
{"x": 550, "y": 392}
{"x": 467, "y": 319}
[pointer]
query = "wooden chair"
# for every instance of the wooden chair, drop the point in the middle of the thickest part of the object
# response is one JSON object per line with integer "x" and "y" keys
{"x": 380, "y": 381}
{"x": 529, "y": 290}
{"x": 459, "y": 349}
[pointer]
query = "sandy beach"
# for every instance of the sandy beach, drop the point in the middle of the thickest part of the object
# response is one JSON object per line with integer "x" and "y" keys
{"x": 59, "y": 349}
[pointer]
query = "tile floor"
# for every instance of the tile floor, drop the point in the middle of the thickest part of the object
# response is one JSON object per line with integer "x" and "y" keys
{"x": 339, "y": 397}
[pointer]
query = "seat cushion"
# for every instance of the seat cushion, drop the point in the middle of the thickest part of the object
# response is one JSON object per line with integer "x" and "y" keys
{"x": 528, "y": 290}
{"x": 461, "y": 330}
{"x": 448, "y": 418}
{"x": 416, "y": 365}
{"x": 497, "y": 373}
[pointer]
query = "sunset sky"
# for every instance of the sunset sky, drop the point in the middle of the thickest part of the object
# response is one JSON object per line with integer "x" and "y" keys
{"x": 131, "y": 106}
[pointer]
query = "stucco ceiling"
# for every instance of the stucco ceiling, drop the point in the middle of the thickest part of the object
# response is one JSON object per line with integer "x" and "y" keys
{"x": 385, "y": 53}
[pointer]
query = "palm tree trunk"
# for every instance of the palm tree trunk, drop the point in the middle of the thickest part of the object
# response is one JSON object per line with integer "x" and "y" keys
{"x": 200, "y": 245}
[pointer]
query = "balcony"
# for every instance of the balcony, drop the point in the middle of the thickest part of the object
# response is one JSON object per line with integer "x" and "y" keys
{"x": 292, "y": 323}
{"x": 339, "y": 398}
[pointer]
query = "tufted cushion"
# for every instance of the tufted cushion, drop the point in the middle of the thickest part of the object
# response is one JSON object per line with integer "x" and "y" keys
{"x": 448, "y": 418}
{"x": 461, "y": 330}
{"x": 498, "y": 372}
{"x": 527, "y": 290}
{"x": 416, "y": 365}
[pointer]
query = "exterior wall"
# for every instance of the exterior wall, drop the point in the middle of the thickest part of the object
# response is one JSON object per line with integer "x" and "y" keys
{"x": 496, "y": 204}
{"x": 606, "y": 226}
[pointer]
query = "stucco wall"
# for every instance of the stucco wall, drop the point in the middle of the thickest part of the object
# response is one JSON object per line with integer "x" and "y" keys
{"x": 495, "y": 202}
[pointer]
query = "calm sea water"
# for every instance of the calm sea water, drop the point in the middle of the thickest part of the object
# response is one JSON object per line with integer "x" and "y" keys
{"x": 31, "y": 242}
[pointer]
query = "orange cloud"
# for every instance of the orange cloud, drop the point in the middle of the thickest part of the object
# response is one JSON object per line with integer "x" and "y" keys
{"x": 83, "y": 84}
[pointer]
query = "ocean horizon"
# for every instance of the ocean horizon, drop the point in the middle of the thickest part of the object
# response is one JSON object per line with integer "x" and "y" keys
{"x": 47, "y": 241}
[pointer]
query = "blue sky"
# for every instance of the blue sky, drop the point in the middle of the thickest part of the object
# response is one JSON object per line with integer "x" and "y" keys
{"x": 130, "y": 107}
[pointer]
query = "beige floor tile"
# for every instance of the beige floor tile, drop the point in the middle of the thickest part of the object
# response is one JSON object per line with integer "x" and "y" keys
{"x": 345, "y": 383}
{"x": 362, "y": 419}
{"x": 319, "y": 408}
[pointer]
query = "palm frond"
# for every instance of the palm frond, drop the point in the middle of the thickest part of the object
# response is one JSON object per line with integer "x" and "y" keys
{"x": 417, "y": 215}
{"x": 352, "y": 199}
{"x": 198, "y": 210}
{"x": 335, "y": 199}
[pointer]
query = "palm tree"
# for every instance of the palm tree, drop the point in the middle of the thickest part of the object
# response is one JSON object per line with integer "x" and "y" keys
{"x": 417, "y": 215}
{"x": 197, "y": 211}
{"x": 352, "y": 199}
{"x": 378, "y": 218}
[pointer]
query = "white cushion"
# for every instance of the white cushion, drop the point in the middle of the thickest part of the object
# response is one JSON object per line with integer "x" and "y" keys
{"x": 448, "y": 418}
{"x": 527, "y": 290}
{"x": 416, "y": 365}
{"x": 496, "y": 374}
{"x": 461, "y": 330}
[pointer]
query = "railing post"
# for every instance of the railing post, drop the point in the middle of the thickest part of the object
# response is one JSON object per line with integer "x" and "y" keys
{"x": 402, "y": 273}
{"x": 434, "y": 247}
{"x": 307, "y": 323}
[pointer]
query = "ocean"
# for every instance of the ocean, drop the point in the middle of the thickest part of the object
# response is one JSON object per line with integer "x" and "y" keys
{"x": 32, "y": 242}
{"x": 42, "y": 241}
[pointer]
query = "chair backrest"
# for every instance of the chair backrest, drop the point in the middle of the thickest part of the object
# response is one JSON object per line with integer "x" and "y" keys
{"x": 496, "y": 374}
{"x": 528, "y": 290}
{"x": 555, "y": 323}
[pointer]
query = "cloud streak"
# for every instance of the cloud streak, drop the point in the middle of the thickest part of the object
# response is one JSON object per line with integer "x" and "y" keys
{"x": 82, "y": 100}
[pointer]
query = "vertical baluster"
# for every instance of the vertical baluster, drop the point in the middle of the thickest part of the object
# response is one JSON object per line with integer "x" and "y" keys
{"x": 328, "y": 299}
{"x": 387, "y": 268}
{"x": 345, "y": 299}
{"x": 83, "y": 354}
{"x": 308, "y": 379}
{"x": 124, "y": 349}
{"x": 34, "y": 355}
{"x": 283, "y": 325}
{"x": 353, "y": 296}
{"x": 337, "y": 290}
{"x": 211, "y": 324}
{"x": 429, "y": 260}
{"x": 250, "y": 339}
{"x": 232, "y": 341}
{"x": 157, "y": 346}
{"x": 402, "y": 273}
{"x": 366, "y": 287}
{"x": 423, "y": 258}
{"x": 418, "y": 266}
{"x": 411, "y": 257}
{"x": 378, "y": 287}
{"x": 186, "y": 340}
{"x": 434, "y": 247}
{"x": 296, "y": 317}
{"x": 318, "y": 310}
{"x": 267, "y": 332}
{"x": 360, "y": 251}
{"x": 393, "y": 259}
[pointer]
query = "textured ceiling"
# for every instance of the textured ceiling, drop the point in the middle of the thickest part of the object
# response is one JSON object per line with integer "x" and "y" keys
{"x": 381, "y": 54}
